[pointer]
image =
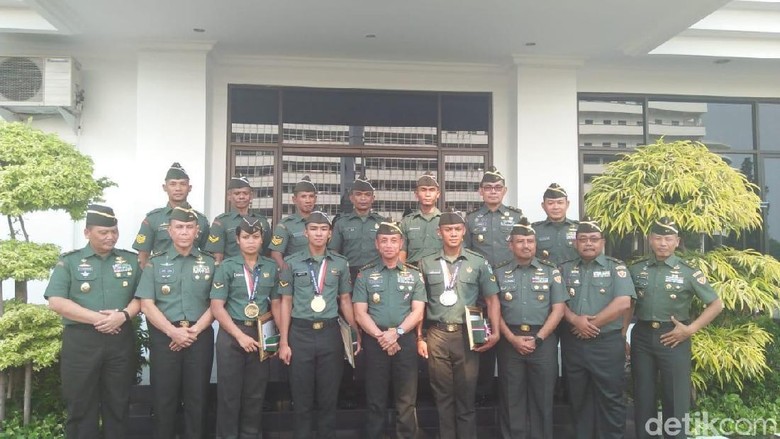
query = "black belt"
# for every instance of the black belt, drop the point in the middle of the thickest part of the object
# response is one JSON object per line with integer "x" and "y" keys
{"x": 448, "y": 327}
{"x": 251, "y": 323}
{"x": 524, "y": 328}
{"x": 183, "y": 323}
{"x": 656, "y": 324}
{"x": 314, "y": 324}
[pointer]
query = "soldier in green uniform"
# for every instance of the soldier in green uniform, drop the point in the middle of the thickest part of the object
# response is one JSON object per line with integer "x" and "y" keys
{"x": 532, "y": 301}
{"x": 555, "y": 235}
{"x": 289, "y": 236}
{"x": 92, "y": 289}
{"x": 488, "y": 227}
{"x": 421, "y": 227}
{"x": 455, "y": 277}
{"x": 174, "y": 292}
{"x": 153, "y": 237}
{"x": 593, "y": 336}
{"x": 354, "y": 234}
{"x": 245, "y": 287}
{"x": 314, "y": 286}
{"x": 389, "y": 301}
{"x": 661, "y": 338}
{"x": 222, "y": 241}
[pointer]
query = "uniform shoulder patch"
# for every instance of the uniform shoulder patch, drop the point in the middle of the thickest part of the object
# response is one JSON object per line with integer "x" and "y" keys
{"x": 140, "y": 238}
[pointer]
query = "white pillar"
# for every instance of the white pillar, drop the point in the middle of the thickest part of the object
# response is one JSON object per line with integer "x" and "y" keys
{"x": 546, "y": 132}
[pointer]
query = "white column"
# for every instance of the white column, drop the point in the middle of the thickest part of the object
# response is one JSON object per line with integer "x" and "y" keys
{"x": 172, "y": 103}
{"x": 546, "y": 132}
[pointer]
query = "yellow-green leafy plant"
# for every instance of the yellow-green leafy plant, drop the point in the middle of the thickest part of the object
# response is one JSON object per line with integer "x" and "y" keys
{"x": 685, "y": 181}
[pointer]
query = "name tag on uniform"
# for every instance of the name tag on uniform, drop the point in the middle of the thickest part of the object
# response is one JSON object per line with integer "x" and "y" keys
{"x": 602, "y": 274}
{"x": 543, "y": 238}
{"x": 200, "y": 269}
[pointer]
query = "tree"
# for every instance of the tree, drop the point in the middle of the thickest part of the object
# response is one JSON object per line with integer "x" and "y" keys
{"x": 701, "y": 192}
{"x": 38, "y": 172}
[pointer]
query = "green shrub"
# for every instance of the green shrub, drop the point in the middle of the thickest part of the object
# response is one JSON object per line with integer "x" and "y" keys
{"x": 49, "y": 426}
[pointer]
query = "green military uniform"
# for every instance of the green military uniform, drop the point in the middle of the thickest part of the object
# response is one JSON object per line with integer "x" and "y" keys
{"x": 389, "y": 293}
{"x": 453, "y": 366}
{"x": 487, "y": 232}
{"x": 555, "y": 240}
{"x": 421, "y": 237}
{"x": 180, "y": 286}
{"x": 222, "y": 235}
{"x": 354, "y": 236}
{"x": 527, "y": 382}
{"x": 97, "y": 369}
{"x": 594, "y": 366}
{"x": 664, "y": 289}
{"x": 242, "y": 377}
{"x": 153, "y": 234}
{"x": 288, "y": 237}
{"x": 314, "y": 337}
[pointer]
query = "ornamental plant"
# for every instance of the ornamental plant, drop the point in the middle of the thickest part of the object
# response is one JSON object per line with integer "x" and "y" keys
{"x": 705, "y": 196}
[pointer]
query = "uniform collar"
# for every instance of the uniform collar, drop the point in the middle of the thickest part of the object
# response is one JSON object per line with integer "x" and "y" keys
{"x": 501, "y": 208}
{"x": 235, "y": 215}
{"x": 88, "y": 251}
{"x": 173, "y": 253}
{"x": 398, "y": 266}
{"x": 461, "y": 256}
{"x": 566, "y": 221}
{"x": 328, "y": 254}
{"x": 600, "y": 260}
{"x": 434, "y": 213}
{"x": 534, "y": 263}
{"x": 671, "y": 261}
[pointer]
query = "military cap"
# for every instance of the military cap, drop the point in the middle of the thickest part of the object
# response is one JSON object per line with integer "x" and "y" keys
{"x": 362, "y": 184}
{"x": 664, "y": 226}
{"x": 555, "y": 191}
{"x": 451, "y": 217}
{"x": 249, "y": 225}
{"x": 492, "y": 175}
{"x": 176, "y": 172}
{"x": 304, "y": 185}
{"x": 388, "y": 227}
{"x": 427, "y": 179}
{"x": 98, "y": 215}
{"x": 184, "y": 212}
{"x": 318, "y": 217}
{"x": 523, "y": 227}
{"x": 238, "y": 182}
{"x": 588, "y": 225}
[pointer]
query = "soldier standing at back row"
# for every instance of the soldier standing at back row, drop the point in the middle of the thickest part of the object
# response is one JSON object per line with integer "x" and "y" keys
{"x": 289, "y": 236}
{"x": 487, "y": 231}
{"x": 421, "y": 227}
{"x": 222, "y": 242}
{"x": 661, "y": 338}
{"x": 555, "y": 235}
{"x": 153, "y": 235}
{"x": 92, "y": 289}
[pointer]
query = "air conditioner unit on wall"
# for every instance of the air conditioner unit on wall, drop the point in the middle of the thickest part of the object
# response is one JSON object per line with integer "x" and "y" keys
{"x": 36, "y": 84}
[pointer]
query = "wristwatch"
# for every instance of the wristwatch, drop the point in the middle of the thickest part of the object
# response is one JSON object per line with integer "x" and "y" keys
{"x": 400, "y": 331}
{"x": 538, "y": 340}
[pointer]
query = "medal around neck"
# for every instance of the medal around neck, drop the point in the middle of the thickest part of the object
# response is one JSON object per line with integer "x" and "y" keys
{"x": 318, "y": 304}
{"x": 448, "y": 298}
{"x": 252, "y": 310}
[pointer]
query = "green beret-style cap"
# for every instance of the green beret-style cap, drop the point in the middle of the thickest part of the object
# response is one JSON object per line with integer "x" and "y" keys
{"x": 492, "y": 175}
{"x": 318, "y": 217}
{"x": 588, "y": 225}
{"x": 362, "y": 184}
{"x": 238, "y": 182}
{"x": 304, "y": 185}
{"x": 451, "y": 217}
{"x": 555, "y": 191}
{"x": 523, "y": 227}
{"x": 249, "y": 225}
{"x": 176, "y": 172}
{"x": 184, "y": 213}
{"x": 664, "y": 226}
{"x": 388, "y": 227}
{"x": 98, "y": 215}
{"x": 427, "y": 179}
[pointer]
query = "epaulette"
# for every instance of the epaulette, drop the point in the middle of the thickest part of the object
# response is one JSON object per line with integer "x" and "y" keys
{"x": 569, "y": 260}
{"x": 538, "y": 223}
{"x": 615, "y": 260}
{"x": 468, "y": 250}
{"x": 206, "y": 253}
{"x": 367, "y": 266}
{"x": 412, "y": 267}
{"x": 639, "y": 260}
{"x": 152, "y": 256}
{"x": 132, "y": 252}
{"x": 197, "y": 213}
{"x": 515, "y": 209}
{"x": 690, "y": 263}
{"x": 62, "y": 255}
{"x": 501, "y": 264}
{"x": 338, "y": 255}
{"x": 223, "y": 215}
{"x": 412, "y": 213}
{"x": 547, "y": 263}
{"x": 153, "y": 211}
{"x": 473, "y": 211}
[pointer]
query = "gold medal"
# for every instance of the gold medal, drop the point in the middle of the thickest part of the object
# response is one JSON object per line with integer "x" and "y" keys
{"x": 165, "y": 289}
{"x": 571, "y": 292}
{"x": 318, "y": 304}
{"x": 85, "y": 287}
{"x": 673, "y": 296}
{"x": 376, "y": 298}
{"x": 480, "y": 238}
{"x": 252, "y": 310}
{"x": 507, "y": 296}
{"x": 668, "y": 286}
{"x": 540, "y": 297}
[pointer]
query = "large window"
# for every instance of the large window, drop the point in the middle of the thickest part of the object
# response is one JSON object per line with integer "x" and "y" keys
{"x": 279, "y": 134}
{"x": 745, "y": 132}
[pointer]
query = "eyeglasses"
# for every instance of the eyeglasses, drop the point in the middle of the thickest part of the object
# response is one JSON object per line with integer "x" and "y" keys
{"x": 589, "y": 240}
{"x": 498, "y": 188}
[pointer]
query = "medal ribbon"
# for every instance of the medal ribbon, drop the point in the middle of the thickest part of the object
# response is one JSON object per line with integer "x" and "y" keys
{"x": 251, "y": 282}
{"x": 318, "y": 280}
{"x": 449, "y": 278}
